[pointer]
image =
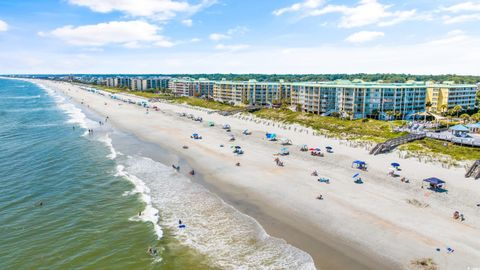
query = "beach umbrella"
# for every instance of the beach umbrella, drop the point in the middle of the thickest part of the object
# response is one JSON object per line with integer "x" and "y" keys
{"x": 395, "y": 165}
{"x": 356, "y": 175}
{"x": 329, "y": 147}
{"x": 318, "y": 149}
{"x": 312, "y": 149}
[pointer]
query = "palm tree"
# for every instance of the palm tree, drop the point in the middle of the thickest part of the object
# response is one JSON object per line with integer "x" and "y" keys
{"x": 444, "y": 108}
{"x": 476, "y": 117}
{"x": 457, "y": 109}
{"x": 465, "y": 117}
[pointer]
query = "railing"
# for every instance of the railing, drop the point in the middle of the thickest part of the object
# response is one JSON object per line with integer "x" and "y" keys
{"x": 392, "y": 143}
{"x": 474, "y": 170}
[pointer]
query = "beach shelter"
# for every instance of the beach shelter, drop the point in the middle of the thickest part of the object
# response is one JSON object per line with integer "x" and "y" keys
{"x": 474, "y": 128}
{"x": 359, "y": 164}
{"x": 459, "y": 130}
{"x": 271, "y": 136}
{"x": 226, "y": 126}
{"x": 304, "y": 148}
{"x": 211, "y": 124}
{"x": 436, "y": 184}
{"x": 285, "y": 141}
{"x": 395, "y": 165}
{"x": 284, "y": 151}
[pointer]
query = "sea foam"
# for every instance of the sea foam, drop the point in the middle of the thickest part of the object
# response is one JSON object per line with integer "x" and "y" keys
{"x": 149, "y": 214}
{"x": 231, "y": 239}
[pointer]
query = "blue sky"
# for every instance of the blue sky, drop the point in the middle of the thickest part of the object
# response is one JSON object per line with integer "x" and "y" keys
{"x": 246, "y": 36}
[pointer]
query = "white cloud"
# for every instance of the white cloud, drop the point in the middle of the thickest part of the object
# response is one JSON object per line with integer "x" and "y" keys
{"x": 156, "y": 9}
{"x": 453, "y": 57}
{"x": 187, "y": 22}
{"x": 236, "y": 31}
{"x": 366, "y": 12}
{"x": 463, "y": 7}
{"x": 305, "y": 5}
{"x": 461, "y": 18}
{"x": 130, "y": 34}
{"x": 364, "y": 36}
{"x": 454, "y": 37}
{"x": 3, "y": 26}
{"x": 232, "y": 47}
{"x": 218, "y": 36}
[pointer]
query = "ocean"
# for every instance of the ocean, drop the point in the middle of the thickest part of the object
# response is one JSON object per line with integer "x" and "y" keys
{"x": 74, "y": 200}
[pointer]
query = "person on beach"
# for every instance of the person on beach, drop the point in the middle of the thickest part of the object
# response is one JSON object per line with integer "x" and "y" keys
{"x": 179, "y": 222}
{"x": 315, "y": 173}
{"x": 237, "y": 164}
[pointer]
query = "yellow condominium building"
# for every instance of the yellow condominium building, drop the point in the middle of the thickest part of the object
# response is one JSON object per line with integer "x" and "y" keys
{"x": 447, "y": 95}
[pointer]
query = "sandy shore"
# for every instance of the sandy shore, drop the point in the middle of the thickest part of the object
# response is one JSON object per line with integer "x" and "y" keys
{"x": 369, "y": 226}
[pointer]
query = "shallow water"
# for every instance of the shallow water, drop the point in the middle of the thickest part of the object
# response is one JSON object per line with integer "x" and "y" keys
{"x": 107, "y": 198}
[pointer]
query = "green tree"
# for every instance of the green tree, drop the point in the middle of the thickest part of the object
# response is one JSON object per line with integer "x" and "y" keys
{"x": 457, "y": 109}
{"x": 465, "y": 117}
{"x": 475, "y": 117}
{"x": 444, "y": 108}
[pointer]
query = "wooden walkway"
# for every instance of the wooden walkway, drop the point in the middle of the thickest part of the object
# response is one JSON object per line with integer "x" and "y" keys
{"x": 474, "y": 170}
{"x": 392, "y": 143}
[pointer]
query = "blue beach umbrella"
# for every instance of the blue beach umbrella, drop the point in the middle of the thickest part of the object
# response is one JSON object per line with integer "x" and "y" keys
{"x": 395, "y": 165}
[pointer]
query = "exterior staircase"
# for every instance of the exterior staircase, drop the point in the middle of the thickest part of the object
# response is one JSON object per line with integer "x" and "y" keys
{"x": 474, "y": 170}
{"x": 392, "y": 143}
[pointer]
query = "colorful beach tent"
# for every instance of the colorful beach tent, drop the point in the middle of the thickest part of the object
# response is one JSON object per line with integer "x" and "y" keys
{"x": 271, "y": 136}
{"x": 359, "y": 162}
{"x": 434, "y": 180}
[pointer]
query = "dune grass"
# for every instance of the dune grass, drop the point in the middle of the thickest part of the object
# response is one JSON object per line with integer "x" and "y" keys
{"x": 372, "y": 130}
{"x": 432, "y": 147}
{"x": 209, "y": 104}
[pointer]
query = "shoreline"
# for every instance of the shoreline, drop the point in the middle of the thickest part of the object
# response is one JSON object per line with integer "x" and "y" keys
{"x": 281, "y": 219}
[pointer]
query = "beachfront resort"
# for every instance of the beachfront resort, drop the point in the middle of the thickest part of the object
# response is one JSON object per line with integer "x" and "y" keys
{"x": 354, "y": 99}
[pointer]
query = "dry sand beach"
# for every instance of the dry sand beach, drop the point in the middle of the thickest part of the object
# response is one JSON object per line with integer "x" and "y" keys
{"x": 381, "y": 224}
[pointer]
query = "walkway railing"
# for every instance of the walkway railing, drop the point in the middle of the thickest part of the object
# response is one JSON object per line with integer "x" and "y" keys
{"x": 392, "y": 143}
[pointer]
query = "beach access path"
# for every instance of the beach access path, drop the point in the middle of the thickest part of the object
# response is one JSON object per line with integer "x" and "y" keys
{"x": 372, "y": 225}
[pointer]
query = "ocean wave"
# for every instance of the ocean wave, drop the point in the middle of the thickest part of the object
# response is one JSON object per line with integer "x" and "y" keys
{"x": 149, "y": 214}
{"x": 108, "y": 142}
{"x": 231, "y": 239}
{"x": 22, "y": 97}
{"x": 75, "y": 114}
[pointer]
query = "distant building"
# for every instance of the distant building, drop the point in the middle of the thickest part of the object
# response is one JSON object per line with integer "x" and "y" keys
{"x": 181, "y": 86}
{"x": 360, "y": 99}
{"x": 251, "y": 92}
{"x": 447, "y": 95}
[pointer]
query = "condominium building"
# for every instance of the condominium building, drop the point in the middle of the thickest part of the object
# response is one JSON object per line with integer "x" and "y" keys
{"x": 359, "y": 99}
{"x": 251, "y": 92}
{"x": 181, "y": 86}
{"x": 136, "y": 85}
{"x": 447, "y": 95}
{"x": 203, "y": 88}
{"x": 118, "y": 82}
{"x": 232, "y": 92}
{"x": 191, "y": 87}
{"x": 155, "y": 83}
